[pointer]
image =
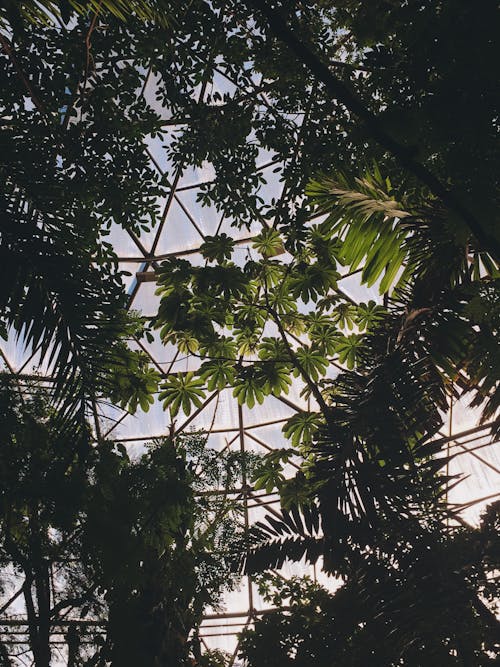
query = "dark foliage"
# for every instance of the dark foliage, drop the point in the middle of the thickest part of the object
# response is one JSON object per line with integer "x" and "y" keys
{"x": 127, "y": 548}
{"x": 417, "y": 613}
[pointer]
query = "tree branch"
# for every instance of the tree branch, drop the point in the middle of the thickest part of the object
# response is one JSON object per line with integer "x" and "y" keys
{"x": 9, "y": 50}
{"x": 12, "y": 599}
{"x": 296, "y": 362}
{"x": 372, "y": 125}
{"x": 77, "y": 601}
{"x": 82, "y": 84}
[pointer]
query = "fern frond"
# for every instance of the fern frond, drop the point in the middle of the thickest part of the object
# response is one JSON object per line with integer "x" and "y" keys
{"x": 368, "y": 221}
{"x": 63, "y": 304}
{"x": 288, "y": 535}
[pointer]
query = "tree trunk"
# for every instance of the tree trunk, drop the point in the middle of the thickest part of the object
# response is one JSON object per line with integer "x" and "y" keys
{"x": 4, "y": 656}
{"x": 73, "y": 639}
{"x": 40, "y": 620}
{"x": 42, "y": 584}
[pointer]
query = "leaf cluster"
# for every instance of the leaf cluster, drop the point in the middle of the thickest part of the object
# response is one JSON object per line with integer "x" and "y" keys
{"x": 139, "y": 546}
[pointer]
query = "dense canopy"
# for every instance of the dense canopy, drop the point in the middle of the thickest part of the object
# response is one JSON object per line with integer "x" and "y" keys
{"x": 277, "y": 224}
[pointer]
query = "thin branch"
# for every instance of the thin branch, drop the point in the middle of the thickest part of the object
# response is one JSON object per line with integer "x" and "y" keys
{"x": 9, "y": 50}
{"x": 295, "y": 360}
{"x": 70, "y": 603}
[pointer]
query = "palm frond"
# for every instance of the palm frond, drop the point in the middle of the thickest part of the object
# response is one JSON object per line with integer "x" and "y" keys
{"x": 371, "y": 224}
{"x": 44, "y": 12}
{"x": 393, "y": 241}
{"x": 290, "y": 535}
{"x": 369, "y": 194}
{"x": 378, "y": 474}
{"x": 64, "y": 303}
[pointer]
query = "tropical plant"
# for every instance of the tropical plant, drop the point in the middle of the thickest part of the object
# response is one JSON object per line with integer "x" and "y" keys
{"x": 65, "y": 156}
{"x": 95, "y": 125}
{"x": 14, "y": 13}
{"x": 132, "y": 551}
{"x": 160, "y": 536}
{"x": 75, "y": 129}
{"x": 371, "y": 492}
{"x": 383, "y": 615}
{"x": 438, "y": 286}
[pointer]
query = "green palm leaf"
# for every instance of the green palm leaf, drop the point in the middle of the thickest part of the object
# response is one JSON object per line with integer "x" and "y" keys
{"x": 42, "y": 12}
{"x": 368, "y": 221}
{"x": 68, "y": 307}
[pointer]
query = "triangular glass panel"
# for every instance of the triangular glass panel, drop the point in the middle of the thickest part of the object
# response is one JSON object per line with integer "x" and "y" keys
{"x": 177, "y": 233}
{"x": 207, "y": 218}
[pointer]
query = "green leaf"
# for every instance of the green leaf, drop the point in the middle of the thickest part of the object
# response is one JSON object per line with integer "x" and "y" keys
{"x": 271, "y": 273}
{"x": 312, "y": 361}
{"x": 349, "y": 349}
{"x": 249, "y": 315}
{"x": 186, "y": 342}
{"x": 227, "y": 281}
{"x": 270, "y": 478}
{"x": 44, "y": 12}
{"x": 274, "y": 377}
{"x": 217, "y": 248}
{"x": 222, "y": 347}
{"x": 247, "y": 341}
{"x": 269, "y": 473}
{"x": 300, "y": 428}
{"x": 371, "y": 225}
{"x": 217, "y": 373}
{"x": 310, "y": 281}
{"x": 134, "y": 381}
{"x": 249, "y": 387}
{"x": 281, "y": 300}
{"x": 182, "y": 390}
{"x": 324, "y": 338}
{"x": 172, "y": 275}
{"x": 325, "y": 248}
{"x": 368, "y": 315}
{"x": 269, "y": 243}
{"x": 344, "y": 315}
{"x": 273, "y": 349}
